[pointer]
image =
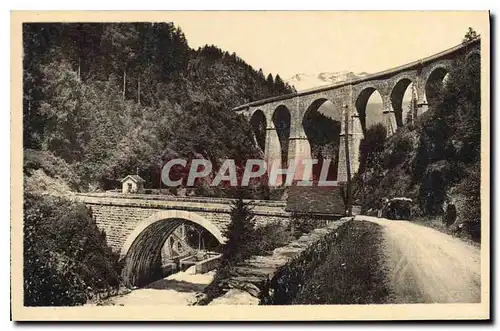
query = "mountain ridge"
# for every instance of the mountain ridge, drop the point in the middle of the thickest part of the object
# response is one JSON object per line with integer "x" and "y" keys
{"x": 304, "y": 81}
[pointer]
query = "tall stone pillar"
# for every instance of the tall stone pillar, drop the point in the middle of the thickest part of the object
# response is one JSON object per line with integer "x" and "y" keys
{"x": 299, "y": 148}
{"x": 356, "y": 134}
{"x": 422, "y": 105}
{"x": 272, "y": 153}
{"x": 354, "y": 140}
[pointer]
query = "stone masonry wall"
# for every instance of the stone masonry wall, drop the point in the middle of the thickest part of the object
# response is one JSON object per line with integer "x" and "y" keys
{"x": 119, "y": 215}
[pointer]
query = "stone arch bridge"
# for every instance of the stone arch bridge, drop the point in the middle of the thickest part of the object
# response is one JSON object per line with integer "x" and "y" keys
{"x": 137, "y": 225}
{"x": 351, "y": 96}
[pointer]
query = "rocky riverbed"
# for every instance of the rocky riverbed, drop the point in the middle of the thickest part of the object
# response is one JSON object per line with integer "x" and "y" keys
{"x": 245, "y": 285}
{"x": 182, "y": 288}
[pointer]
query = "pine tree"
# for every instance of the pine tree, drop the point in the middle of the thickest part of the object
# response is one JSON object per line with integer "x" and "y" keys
{"x": 270, "y": 84}
{"x": 120, "y": 40}
{"x": 470, "y": 35}
{"x": 279, "y": 85}
{"x": 240, "y": 245}
{"x": 240, "y": 233}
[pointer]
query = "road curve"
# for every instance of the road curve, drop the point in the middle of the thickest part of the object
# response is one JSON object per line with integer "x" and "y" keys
{"x": 428, "y": 266}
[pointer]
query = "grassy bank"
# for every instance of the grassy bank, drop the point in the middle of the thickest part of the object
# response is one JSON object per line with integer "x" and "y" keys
{"x": 345, "y": 267}
{"x": 456, "y": 230}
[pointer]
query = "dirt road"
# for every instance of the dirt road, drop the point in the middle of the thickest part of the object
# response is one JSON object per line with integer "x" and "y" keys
{"x": 427, "y": 266}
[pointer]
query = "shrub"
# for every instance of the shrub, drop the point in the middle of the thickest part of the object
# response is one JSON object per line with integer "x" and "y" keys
{"x": 240, "y": 245}
{"x": 371, "y": 147}
{"x": 275, "y": 193}
{"x": 203, "y": 190}
{"x": 52, "y": 165}
{"x": 66, "y": 258}
{"x": 402, "y": 146}
{"x": 302, "y": 223}
{"x": 470, "y": 213}
{"x": 271, "y": 236}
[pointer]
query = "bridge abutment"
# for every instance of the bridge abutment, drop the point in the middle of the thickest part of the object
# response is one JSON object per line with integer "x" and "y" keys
{"x": 422, "y": 105}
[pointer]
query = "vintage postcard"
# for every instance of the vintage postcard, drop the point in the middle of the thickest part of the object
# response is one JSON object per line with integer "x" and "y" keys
{"x": 250, "y": 166}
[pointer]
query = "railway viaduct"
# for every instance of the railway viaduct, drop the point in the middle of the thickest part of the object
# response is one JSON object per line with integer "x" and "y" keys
{"x": 290, "y": 111}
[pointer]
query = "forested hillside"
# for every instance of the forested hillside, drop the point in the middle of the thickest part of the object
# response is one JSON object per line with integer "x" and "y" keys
{"x": 436, "y": 161}
{"x": 105, "y": 100}
{"x": 101, "y": 101}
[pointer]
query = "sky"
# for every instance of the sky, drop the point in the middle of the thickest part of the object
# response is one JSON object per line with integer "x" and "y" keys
{"x": 308, "y": 42}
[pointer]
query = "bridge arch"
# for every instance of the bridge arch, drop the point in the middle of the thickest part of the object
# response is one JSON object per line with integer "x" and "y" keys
{"x": 434, "y": 83}
{"x": 141, "y": 252}
{"x": 397, "y": 96}
{"x": 322, "y": 124}
{"x": 368, "y": 117}
{"x": 282, "y": 123}
{"x": 258, "y": 124}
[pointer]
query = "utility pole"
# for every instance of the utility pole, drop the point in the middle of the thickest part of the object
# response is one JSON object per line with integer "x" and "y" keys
{"x": 414, "y": 104}
{"x": 348, "y": 162}
{"x": 161, "y": 171}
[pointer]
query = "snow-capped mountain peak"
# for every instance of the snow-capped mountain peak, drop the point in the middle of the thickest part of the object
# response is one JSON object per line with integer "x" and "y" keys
{"x": 303, "y": 81}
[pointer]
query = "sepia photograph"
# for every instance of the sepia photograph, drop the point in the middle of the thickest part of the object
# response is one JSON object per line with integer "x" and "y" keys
{"x": 250, "y": 165}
